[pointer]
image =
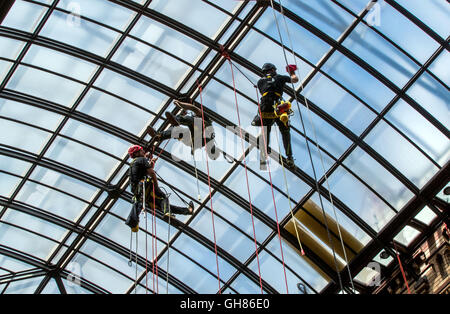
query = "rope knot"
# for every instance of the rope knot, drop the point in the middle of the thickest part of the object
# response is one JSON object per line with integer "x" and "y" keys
{"x": 224, "y": 53}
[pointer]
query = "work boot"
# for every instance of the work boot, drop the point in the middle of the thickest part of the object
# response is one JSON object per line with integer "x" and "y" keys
{"x": 152, "y": 132}
{"x": 171, "y": 118}
{"x": 191, "y": 208}
{"x": 290, "y": 162}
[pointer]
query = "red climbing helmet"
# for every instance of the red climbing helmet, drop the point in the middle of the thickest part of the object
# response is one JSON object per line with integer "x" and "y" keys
{"x": 134, "y": 149}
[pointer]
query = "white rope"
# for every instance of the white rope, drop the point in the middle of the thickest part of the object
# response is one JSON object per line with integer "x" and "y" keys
{"x": 309, "y": 150}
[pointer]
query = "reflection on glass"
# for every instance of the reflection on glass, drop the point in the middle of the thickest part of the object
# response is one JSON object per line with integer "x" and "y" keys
{"x": 45, "y": 85}
{"x": 378, "y": 178}
{"x": 401, "y": 154}
{"x": 24, "y": 16}
{"x": 420, "y": 131}
{"x": 360, "y": 199}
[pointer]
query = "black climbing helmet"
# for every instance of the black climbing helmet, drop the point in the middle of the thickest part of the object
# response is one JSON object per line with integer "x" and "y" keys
{"x": 267, "y": 67}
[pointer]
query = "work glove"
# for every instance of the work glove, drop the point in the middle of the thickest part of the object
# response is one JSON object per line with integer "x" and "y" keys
{"x": 290, "y": 68}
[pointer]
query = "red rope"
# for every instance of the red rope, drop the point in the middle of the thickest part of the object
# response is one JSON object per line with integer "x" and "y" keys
{"x": 401, "y": 268}
{"x": 225, "y": 54}
{"x": 153, "y": 240}
{"x": 209, "y": 185}
{"x": 271, "y": 186}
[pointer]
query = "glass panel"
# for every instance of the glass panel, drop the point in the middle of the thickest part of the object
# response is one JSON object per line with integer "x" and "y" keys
{"x": 345, "y": 223}
{"x": 203, "y": 256}
{"x": 168, "y": 39}
{"x": 11, "y": 134}
{"x": 25, "y": 241}
{"x": 439, "y": 66}
{"x": 407, "y": 235}
{"x": 360, "y": 199}
{"x": 433, "y": 13}
{"x": 378, "y": 178}
{"x": 64, "y": 183}
{"x": 100, "y": 10}
{"x": 324, "y": 15}
{"x": 26, "y": 286}
{"x": 353, "y": 77}
{"x": 432, "y": 96}
{"x": 82, "y": 158}
{"x": 355, "y": 5}
{"x": 10, "y": 47}
{"x": 240, "y": 218}
{"x": 13, "y": 165}
{"x": 131, "y": 90}
{"x": 163, "y": 286}
{"x": 381, "y": 55}
{"x": 65, "y": 64}
{"x": 243, "y": 285}
{"x": 95, "y": 137}
{"x": 255, "y": 48}
{"x": 116, "y": 230}
{"x": 13, "y": 265}
{"x": 401, "y": 154}
{"x": 113, "y": 111}
{"x": 72, "y": 288}
{"x": 83, "y": 34}
{"x": 45, "y": 85}
{"x": 328, "y": 137}
{"x": 8, "y": 184}
{"x": 51, "y": 288}
{"x": 260, "y": 192}
{"x": 338, "y": 103}
{"x": 4, "y": 69}
{"x": 312, "y": 48}
{"x": 403, "y": 32}
{"x": 226, "y": 237}
{"x": 151, "y": 62}
{"x": 102, "y": 275}
{"x": 50, "y": 200}
{"x": 189, "y": 273}
{"x": 426, "y": 215}
{"x": 297, "y": 263}
{"x": 178, "y": 178}
{"x": 35, "y": 224}
{"x": 29, "y": 114}
{"x": 273, "y": 273}
{"x": 195, "y": 19}
{"x": 420, "y": 131}
{"x": 24, "y": 16}
{"x": 113, "y": 259}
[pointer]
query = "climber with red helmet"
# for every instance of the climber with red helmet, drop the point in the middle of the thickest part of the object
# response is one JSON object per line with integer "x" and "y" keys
{"x": 142, "y": 173}
{"x": 274, "y": 109}
{"x": 194, "y": 134}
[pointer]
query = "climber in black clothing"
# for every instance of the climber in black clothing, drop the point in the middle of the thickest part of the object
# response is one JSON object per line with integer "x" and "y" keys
{"x": 141, "y": 173}
{"x": 274, "y": 109}
{"x": 192, "y": 136}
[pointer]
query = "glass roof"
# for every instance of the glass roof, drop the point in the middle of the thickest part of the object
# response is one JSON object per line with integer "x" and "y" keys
{"x": 80, "y": 82}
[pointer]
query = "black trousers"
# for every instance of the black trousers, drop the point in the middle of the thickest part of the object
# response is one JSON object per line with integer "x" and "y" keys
{"x": 161, "y": 201}
{"x": 285, "y": 134}
{"x": 213, "y": 153}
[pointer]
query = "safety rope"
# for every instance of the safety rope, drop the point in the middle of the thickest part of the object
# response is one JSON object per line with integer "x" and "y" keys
{"x": 319, "y": 152}
{"x": 146, "y": 237}
{"x": 401, "y": 267}
{"x": 224, "y": 54}
{"x": 154, "y": 244}
{"x": 308, "y": 148}
{"x": 209, "y": 185}
{"x": 282, "y": 163}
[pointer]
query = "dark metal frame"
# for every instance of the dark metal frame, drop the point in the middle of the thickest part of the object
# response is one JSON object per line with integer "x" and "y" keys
{"x": 380, "y": 240}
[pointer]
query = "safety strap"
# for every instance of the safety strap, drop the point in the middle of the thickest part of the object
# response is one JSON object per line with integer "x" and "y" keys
{"x": 266, "y": 93}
